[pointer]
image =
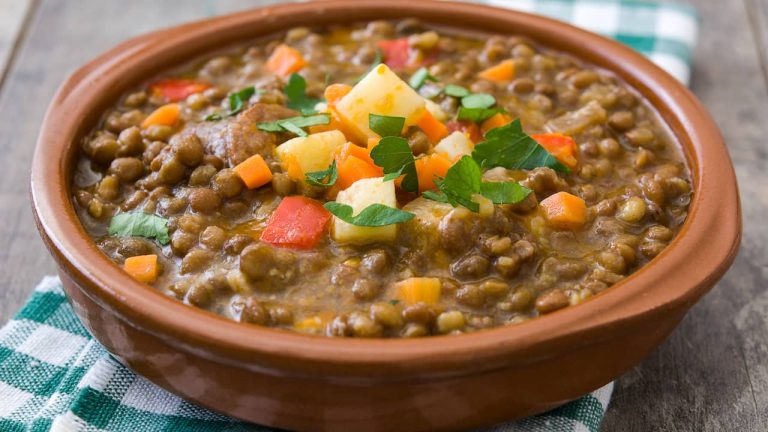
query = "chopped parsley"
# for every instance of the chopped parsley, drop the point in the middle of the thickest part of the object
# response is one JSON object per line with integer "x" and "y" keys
{"x": 375, "y": 215}
{"x": 295, "y": 91}
{"x": 420, "y": 77}
{"x": 478, "y": 100}
{"x": 509, "y": 147}
{"x": 239, "y": 99}
{"x": 395, "y": 156}
{"x": 325, "y": 178}
{"x": 456, "y": 91}
{"x": 295, "y": 124}
{"x": 386, "y": 125}
{"x": 139, "y": 224}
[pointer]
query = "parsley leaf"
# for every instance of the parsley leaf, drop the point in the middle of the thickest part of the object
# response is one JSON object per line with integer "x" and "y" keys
{"x": 477, "y": 115}
{"x": 138, "y": 224}
{"x": 376, "y": 62}
{"x": 478, "y": 100}
{"x": 395, "y": 156}
{"x": 386, "y": 125}
{"x": 213, "y": 117}
{"x": 325, "y": 178}
{"x": 464, "y": 180}
{"x": 419, "y": 77}
{"x": 456, "y": 91}
{"x": 375, "y": 215}
{"x": 295, "y": 91}
{"x": 509, "y": 147}
{"x": 294, "y": 124}
{"x": 504, "y": 192}
{"x": 239, "y": 99}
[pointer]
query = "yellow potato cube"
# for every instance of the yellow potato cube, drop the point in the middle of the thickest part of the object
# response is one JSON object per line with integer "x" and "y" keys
{"x": 360, "y": 195}
{"x": 455, "y": 146}
{"x": 310, "y": 153}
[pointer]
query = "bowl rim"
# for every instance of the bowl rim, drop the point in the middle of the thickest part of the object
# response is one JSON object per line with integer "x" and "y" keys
{"x": 682, "y": 273}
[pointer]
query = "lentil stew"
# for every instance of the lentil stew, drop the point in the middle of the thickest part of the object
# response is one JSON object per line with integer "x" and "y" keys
{"x": 517, "y": 181}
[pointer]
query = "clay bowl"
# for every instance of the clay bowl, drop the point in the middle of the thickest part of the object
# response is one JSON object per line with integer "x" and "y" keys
{"x": 295, "y": 381}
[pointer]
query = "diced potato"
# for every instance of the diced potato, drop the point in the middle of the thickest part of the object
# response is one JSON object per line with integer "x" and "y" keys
{"x": 574, "y": 122}
{"x": 311, "y": 153}
{"x": 455, "y": 146}
{"x": 380, "y": 92}
{"x": 360, "y": 195}
{"x": 436, "y": 111}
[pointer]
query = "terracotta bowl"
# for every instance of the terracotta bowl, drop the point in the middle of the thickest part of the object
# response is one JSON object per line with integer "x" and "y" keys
{"x": 294, "y": 381}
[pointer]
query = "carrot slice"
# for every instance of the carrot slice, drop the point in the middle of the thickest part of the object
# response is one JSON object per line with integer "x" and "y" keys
{"x": 419, "y": 290}
{"x": 432, "y": 127}
{"x": 254, "y": 172}
{"x": 564, "y": 211}
{"x": 143, "y": 268}
{"x": 562, "y": 147}
{"x": 429, "y": 167}
{"x": 497, "y": 120}
{"x": 285, "y": 61}
{"x": 503, "y": 71}
{"x": 334, "y": 92}
{"x": 166, "y": 115}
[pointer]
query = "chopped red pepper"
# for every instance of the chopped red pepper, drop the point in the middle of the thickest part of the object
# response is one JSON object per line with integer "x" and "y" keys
{"x": 562, "y": 147}
{"x": 396, "y": 52}
{"x": 466, "y": 127}
{"x": 174, "y": 90}
{"x": 298, "y": 222}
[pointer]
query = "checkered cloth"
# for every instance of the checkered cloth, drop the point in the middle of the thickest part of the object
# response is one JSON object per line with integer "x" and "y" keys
{"x": 54, "y": 376}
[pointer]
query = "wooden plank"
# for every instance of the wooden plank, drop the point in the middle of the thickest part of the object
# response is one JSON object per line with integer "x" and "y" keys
{"x": 12, "y": 19}
{"x": 758, "y": 14}
{"x": 712, "y": 374}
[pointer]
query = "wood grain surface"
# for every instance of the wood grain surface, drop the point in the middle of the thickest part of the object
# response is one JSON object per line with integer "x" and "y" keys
{"x": 710, "y": 375}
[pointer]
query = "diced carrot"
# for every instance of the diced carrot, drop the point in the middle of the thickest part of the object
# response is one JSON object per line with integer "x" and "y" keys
{"x": 497, "y": 120}
{"x": 292, "y": 167}
{"x": 334, "y": 124}
{"x": 352, "y": 169}
{"x": 254, "y": 172}
{"x": 143, "y": 268}
{"x": 468, "y": 128}
{"x": 285, "y": 60}
{"x": 432, "y": 127}
{"x": 419, "y": 290}
{"x": 373, "y": 142}
{"x": 174, "y": 90}
{"x": 354, "y": 163}
{"x": 334, "y": 92}
{"x": 562, "y": 147}
{"x": 503, "y": 71}
{"x": 166, "y": 115}
{"x": 564, "y": 211}
{"x": 428, "y": 167}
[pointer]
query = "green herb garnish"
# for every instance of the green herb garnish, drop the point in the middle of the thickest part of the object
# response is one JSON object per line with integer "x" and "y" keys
{"x": 456, "y": 91}
{"x": 294, "y": 124}
{"x": 239, "y": 99}
{"x": 295, "y": 91}
{"x": 375, "y": 215}
{"x": 138, "y": 224}
{"x": 464, "y": 179}
{"x": 477, "y": 115}
{"x": 509, "y": 147}
{"x": 325, "y": 178}
{"x": 478, "y": 100}
{"x": 393, "y": 302}
{"x": 213, "y": 117}
{"x": 419, "y": 77}
{"x": 386, "y": 125}
{"x": 396, "y": 158}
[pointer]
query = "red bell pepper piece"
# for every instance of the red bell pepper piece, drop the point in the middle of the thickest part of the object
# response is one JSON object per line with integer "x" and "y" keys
{"x": 297, "y": 222}
{"x": 466, "y": 127}
{"x": 174, "y": 90}
{"x": 396, "y": 52}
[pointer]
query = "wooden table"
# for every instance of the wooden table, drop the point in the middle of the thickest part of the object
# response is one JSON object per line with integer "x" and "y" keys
{"x": 711, "y": 374}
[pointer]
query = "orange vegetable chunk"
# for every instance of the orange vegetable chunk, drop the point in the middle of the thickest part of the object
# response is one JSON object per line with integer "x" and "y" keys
{"x": 285, "y": 60}
{"x": 503, "y": 71}
{"x": 143, "y": 268}
{"x": 562, "y": 147}
{"x": 354, "y": 163}
{"x": 428, "y": 167}
{"x": 419, "y": 290}
{"x": 564, "y": 211}
{"x": 497, "y": 120}
{"x": 254, "y": 172}
{"x": 432, "y": 127}
{"x": 166, "y": 115}
{"x": 334, "y": 92}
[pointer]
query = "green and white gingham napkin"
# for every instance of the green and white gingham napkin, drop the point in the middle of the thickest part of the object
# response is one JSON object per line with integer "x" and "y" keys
{"x": 54, "y": 376}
